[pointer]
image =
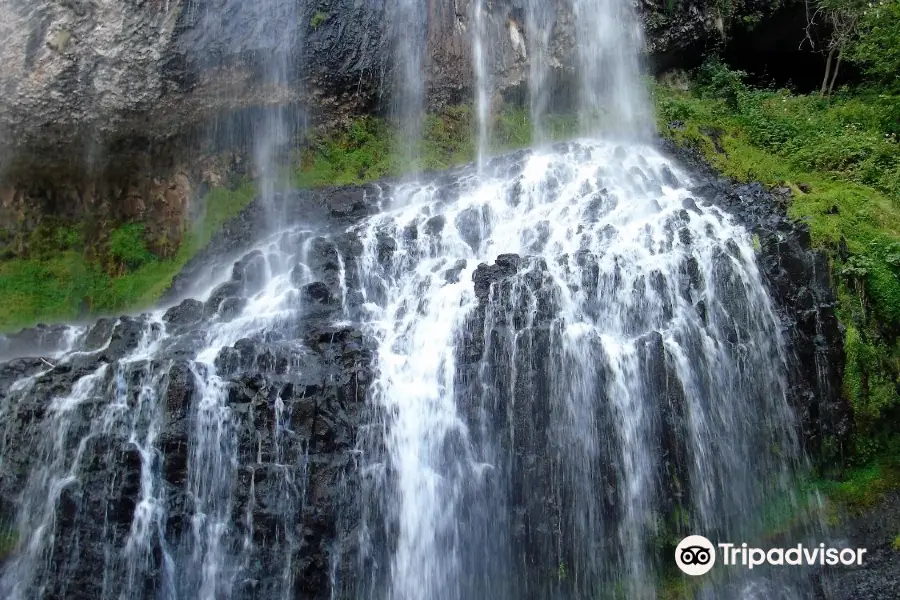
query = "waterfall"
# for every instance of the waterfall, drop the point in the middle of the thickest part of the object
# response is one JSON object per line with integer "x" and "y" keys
{"x": 265, "y": 38}
{"x": 519, "y": 379}
{"x": 539, "y": 21}
{"x": 618, "y": 367}
{"x": 275, "y": 132}
{"x": 611, "y": 96}
{"x": 482, "y": 82}
{"x": 408, "y": 33}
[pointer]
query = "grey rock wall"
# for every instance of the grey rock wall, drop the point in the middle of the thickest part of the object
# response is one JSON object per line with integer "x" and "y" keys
{"x": 86, "y": 82}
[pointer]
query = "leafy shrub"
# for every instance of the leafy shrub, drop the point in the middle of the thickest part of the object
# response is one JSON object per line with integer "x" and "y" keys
{"x": 317, "y": 19}
{"x": 51, "y": 237}
{"x": 126, "y": 244}
{"x": 716, "y": 80}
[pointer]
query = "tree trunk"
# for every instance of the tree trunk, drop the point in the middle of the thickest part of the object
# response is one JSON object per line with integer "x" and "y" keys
{"x": 827, "y": 72}
{"x": 837, "y": 66}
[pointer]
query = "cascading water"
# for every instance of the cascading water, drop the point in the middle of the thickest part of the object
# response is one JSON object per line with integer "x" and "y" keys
{"x": 482, "y": 81}
{"x": 609, "y": 42}
{"x": 539, "y": 21}
{"x": 620, "y": 362}
{"x": 153, "y": 478}
{"x": 408, "y": 31}
{"x": 266, "y": 39}
{"x": 273, "y": 137}
{"x": 518, "y": 380}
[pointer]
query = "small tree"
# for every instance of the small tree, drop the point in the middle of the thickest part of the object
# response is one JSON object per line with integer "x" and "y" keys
{"x": 842, "y": 19}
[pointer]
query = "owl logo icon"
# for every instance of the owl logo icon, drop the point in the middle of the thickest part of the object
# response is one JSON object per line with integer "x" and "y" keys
{"x": 695, "y": 555}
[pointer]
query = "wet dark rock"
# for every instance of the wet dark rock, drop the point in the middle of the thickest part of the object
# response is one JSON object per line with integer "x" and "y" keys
{"x": 435, "y": 225}
{"x": 535, "y": 240}
{"x": 184, "y": 346}
{"x": 35, "y": 341}
{"x": 514, "y": 194}
{"x": 188, "y": 312}
{"x": 99, "y": 334}
{"x": 300, "y": 275}
{"x": 661, "y": 381}
{"x": 179, "y": 397}
{"x": 691, "y": 204}
{"x": 229, "y": 289}
{"x": 411, "y": 232}
{"x": 601, "y": 204}
{"x": 385, "y": 248}
{"x": 843, "y": 249}
{"x": 472, "y": 224}
{"x": 231, "y": 308}
{"x": 250, "y": 270}
{"x": 228, "y": 361}
{"x": 317, "y": 292}
{"x": 668, "y": 177}
{"x": 875, "y": 529}
{"x": 125, "y": 337}
{"x": 485, "y": 275}
{"x": 452, "y": 274}
{"x": 799, "y": 282}
{"x": 347, "y": 201}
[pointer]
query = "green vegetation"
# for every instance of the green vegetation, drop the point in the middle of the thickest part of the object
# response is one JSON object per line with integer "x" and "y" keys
{"x": 863, "y": 487}
{"x": 8, "y": 541}
{"x": 317, "y": 19}
{"x": 56, "y": 279}
{"x": 53, "y": 278}
{"x": 366, "y": 148}
{"x": 840, "y": 157}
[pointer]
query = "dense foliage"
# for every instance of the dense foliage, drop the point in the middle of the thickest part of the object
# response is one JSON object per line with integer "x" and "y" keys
{"x": 877, "y": 47}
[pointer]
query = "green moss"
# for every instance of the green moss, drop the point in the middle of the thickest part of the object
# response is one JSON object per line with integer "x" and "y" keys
{"x": 365, "y": 149}
{"x": 863, "y": 487}
{"x": 896, "y": 543}
{"x": 317, "y": 19}
{"x": 361, "y": 151}
{"x": 57, "y": 281}
{"x": 128, "y": 247}
{"x": 9, "y": 539}
{"x": 675, "y": 586}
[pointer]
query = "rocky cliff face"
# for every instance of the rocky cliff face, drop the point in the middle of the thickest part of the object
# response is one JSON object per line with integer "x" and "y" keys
{"x": 83, "y": 83}
{"x": 106, "y": 106}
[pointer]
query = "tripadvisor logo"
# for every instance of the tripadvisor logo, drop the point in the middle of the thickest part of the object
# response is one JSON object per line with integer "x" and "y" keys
{"x": 696, "y": 555}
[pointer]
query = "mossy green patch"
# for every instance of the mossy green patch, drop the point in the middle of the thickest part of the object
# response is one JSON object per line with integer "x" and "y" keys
{"x": 367, "y": 148}
{"x": 317, "y": 19}
{"x": 862, "y": 488}
{"x": 8, "y": 542}
{"x": 58, "y": 281}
